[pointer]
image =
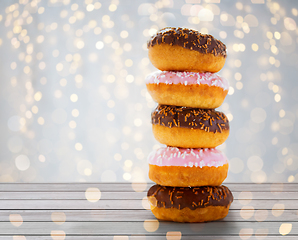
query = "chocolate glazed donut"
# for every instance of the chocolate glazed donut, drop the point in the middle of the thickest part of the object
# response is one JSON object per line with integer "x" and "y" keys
{"x": 189, "y": 127}
{"x": 189, "y": 39}
{"x": 184, "y": 204}
{"x": 181, "y": 49}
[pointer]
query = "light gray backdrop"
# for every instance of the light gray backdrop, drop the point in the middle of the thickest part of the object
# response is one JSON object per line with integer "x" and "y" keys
{"x": 74, "y": 105}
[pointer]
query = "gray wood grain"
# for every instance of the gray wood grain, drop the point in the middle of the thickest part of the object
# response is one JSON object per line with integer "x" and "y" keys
{"x": 133, "y": 228}
{"x": 127, "y": 187}
{"x": 143, "y": 237}
{"x": 120, "y": 211}
{"x": 128, "y": 204}
{"x": 135, "y": 195}
{"x": 140, "y": 215}
{"x": 69, "y": 195}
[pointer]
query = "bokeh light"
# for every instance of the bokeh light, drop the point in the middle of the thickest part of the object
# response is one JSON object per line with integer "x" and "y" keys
{"x": 247, "y": 212}
{"x": 246, "y": 233}
{"x": 16, "y": 219}
{"x": 278, "y": 209}
{"x": 58, "y": 235}
{"x": 145, "y": 203}
{"x": 173, "y": 235}
{"x": 120, "y": 238}
{"x": 285, "y": 228}
{"x": 92, "y": 194}
{"x": 151, "y": 225}
{"x": 74, "y": 104}
{"x": 58, "y": 217}
{"x": 18, "y": 237}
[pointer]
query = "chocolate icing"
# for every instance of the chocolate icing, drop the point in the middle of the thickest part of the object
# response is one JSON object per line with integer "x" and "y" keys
{"x": 189, "y": 39}
{"x": 193, "y": 198}
{"x": 208, "y": 120}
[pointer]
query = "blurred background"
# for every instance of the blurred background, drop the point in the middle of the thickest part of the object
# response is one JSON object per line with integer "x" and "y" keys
{"x": 74, "y": 105}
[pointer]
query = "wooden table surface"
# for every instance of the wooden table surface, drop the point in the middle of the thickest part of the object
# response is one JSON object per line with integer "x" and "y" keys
{"x": 120, "y": 211}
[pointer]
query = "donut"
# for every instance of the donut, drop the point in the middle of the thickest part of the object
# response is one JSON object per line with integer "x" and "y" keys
{"x": 188, "y": 89}
{"x": 184, "y": 167}
{"x": 182, "y": 49}
{"x": 189, "y": 127}
{"x": 185, "y": 204}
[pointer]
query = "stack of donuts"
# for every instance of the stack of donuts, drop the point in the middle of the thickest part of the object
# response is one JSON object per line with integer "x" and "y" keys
{"x": 189, "y": 171}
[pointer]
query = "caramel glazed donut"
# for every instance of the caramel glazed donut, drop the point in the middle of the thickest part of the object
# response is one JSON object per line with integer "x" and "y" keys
{"x": 181, "y": 49}
{"x": 189, "y": 127}
{"x": 198, "y": 204}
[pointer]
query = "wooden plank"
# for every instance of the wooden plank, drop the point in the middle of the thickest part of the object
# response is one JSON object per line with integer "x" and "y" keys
{"x": 153, "y": 228}
{"x": 176, "y": 236}
{"x": 128, "y": 204}
{"x": 134, "y": 195}
{"x": 265, "y": 195}
{"x": 69, "y": 195}
{"x": 127, "y": 187}
{"x": 136, "y": 215}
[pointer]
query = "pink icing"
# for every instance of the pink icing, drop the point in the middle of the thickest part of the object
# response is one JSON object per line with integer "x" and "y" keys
{"x": 198, "y": 157}
{"x": 187, "y": 78}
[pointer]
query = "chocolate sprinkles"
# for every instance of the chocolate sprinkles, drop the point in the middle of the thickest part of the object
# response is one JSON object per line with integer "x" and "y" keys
{"x": 193, "y": 198}
{"x": 208, "y": 120}
{"x": 189, "y": 39}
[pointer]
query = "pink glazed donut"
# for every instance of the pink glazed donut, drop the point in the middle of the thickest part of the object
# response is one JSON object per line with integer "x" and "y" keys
{"x": 189, "y": 89}
{"x": 187, "y": 167}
